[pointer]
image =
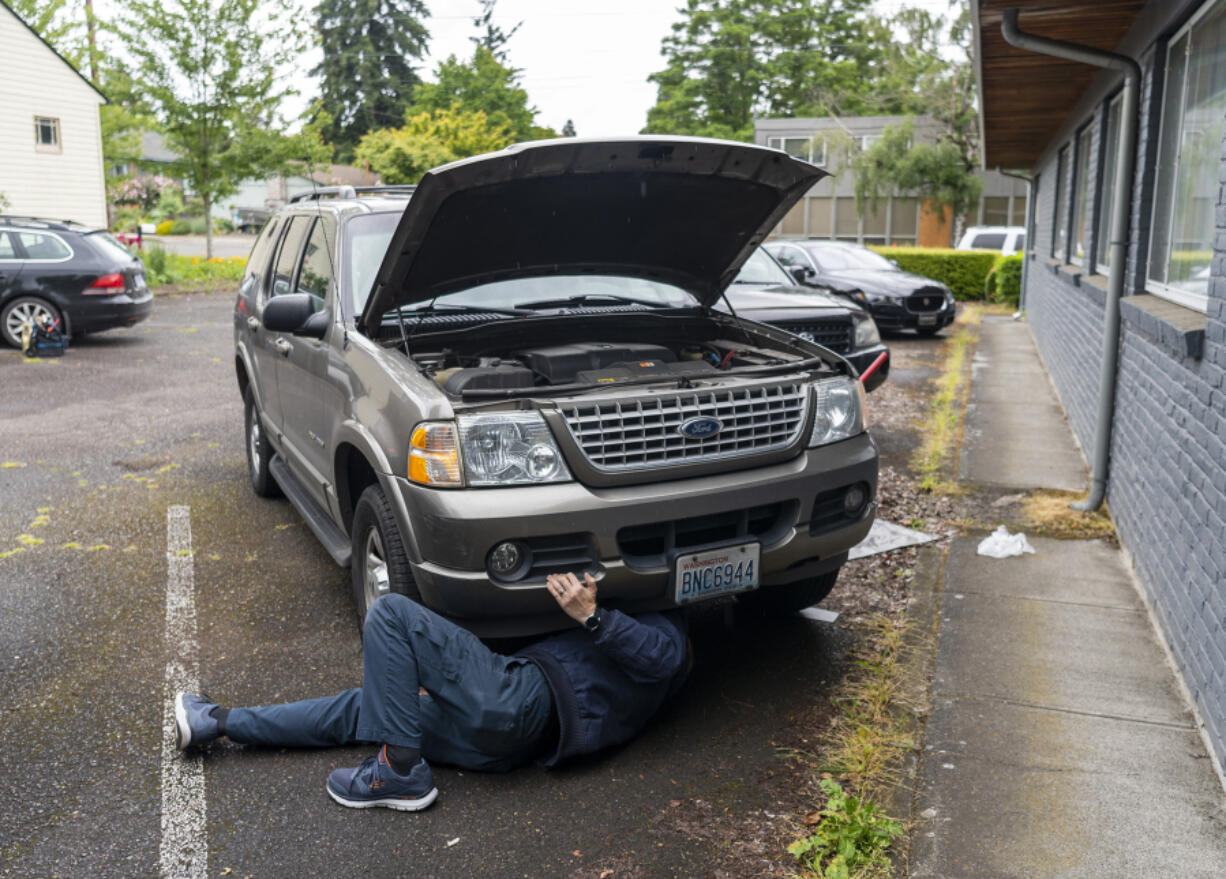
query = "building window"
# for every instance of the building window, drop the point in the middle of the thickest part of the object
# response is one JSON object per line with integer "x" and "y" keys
{"x": 1189, "y": 155}
{"x": 819, "y": 218}
{"x": 1059, "y": 234}
{"x": 1081, "y": 191}
{"x": 995, "y": 211}
{"x": 46, "y": 134}
{"x": 807, "y": 149}
{"x": 793, "y": 225}
{"x": 1110, "y": 154}
{"x": 904, "y": 220}
{"x": 1017, "y": 213}
{"x": 846, "y": 222}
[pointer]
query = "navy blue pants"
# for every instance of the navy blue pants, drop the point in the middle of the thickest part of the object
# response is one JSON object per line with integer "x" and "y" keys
{"x": 483, "y": 710}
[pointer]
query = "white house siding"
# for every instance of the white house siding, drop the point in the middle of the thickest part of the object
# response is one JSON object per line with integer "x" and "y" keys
{"x": 67, "y": 185}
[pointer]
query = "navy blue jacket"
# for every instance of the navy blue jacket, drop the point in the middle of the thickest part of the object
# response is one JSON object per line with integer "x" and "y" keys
{"x": 608, "y": 685}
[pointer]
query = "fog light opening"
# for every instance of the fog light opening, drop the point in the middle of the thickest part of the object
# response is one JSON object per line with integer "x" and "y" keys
{"x": 508, "y": 560}
{"x": 854, "y": 500}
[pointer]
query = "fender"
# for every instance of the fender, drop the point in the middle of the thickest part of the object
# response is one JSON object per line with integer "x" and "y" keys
{"x": 241, "y": 347}
{"x": 359, "y": 436}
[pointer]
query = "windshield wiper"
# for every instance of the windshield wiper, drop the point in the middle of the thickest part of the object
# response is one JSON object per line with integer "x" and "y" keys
{"x": 591, "y": 299}
{"x": 433, "y": 307}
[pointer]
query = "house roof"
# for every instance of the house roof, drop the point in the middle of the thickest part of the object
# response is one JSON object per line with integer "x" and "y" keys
{"x": 1024, "y": 96}
{"x": 71, "y": 66}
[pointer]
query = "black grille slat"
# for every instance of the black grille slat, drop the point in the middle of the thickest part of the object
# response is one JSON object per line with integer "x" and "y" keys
{"x": 835, "y": 335}
{"x": 926, "y": 300}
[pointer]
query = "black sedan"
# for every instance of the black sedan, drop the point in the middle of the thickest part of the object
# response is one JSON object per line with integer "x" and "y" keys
{"x": 764, "y": 292}
{"x": 898, "y": 300}
{"x": 64, "y": 272}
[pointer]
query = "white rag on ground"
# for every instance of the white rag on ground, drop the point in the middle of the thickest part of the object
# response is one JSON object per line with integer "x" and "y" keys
{"x": 1000, "y": 544}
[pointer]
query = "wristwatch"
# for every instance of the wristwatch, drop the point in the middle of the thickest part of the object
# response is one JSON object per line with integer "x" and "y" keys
{"x": 592, "y": 623}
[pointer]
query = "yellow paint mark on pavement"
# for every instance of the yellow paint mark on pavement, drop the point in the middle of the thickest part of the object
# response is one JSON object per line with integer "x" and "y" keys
{"x": 168, "y": 468}
{"x": 131, "y": 547}
{"x": 214, "y": 557}
{"x": 11, "y": 465}
{"x": 45, "y": 509}
{"x": 72, "y": 544}
{"x": 40, "y": 521}
{"x": 283, "y": 527}
{"x": 98, "y": 547}
{"x": 29, "y": 540}
{"x": 82, "y": 482}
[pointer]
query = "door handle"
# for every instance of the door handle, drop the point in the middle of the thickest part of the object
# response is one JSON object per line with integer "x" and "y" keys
{"x": 253, "y": 323}
{"x": 283, "y": 346}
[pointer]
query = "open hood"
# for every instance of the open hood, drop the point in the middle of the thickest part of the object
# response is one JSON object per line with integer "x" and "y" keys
{"x": 685, "y": 211}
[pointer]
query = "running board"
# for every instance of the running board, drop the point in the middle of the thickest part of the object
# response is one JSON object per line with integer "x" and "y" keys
{"x": 316, "y": 517}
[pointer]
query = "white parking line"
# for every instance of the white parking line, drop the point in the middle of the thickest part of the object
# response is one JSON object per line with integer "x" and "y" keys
{"x": 184, "y": 853}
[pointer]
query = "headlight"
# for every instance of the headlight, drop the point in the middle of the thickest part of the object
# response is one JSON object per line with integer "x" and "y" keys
{"x": 510, "y": 448}
{"x": 866, "y": 333}
{"x": 434, "y": 455}
{"x": 839, "y": 404}
{"x": 859, "y": 296}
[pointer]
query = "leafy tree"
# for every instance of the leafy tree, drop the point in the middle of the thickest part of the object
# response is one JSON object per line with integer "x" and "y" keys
{"x": 208, "y": 69}
{"x": 483, "y": 83}
{"x": 431, "y": 139}
{"x": 568, "y": 130}
{"x": 366, "y": 75}
{"x": 731, "y": 60}
{"x": 494, "y": 38}
{"x": 56, "y": 21}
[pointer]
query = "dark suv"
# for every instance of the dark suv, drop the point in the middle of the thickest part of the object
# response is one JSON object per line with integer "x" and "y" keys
{"x": 520, "y": 370}
{"x": 64, "y": 271}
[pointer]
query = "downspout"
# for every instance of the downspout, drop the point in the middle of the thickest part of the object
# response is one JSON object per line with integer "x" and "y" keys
{"x": 1030, "y": 197}
{"x": 1125, "y": 160}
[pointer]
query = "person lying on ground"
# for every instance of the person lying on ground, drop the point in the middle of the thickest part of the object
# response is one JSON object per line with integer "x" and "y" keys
{"x": 432, "y": 691}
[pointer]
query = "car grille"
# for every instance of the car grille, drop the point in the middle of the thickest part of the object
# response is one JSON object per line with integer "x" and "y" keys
{"x": 832, "y": 334}
{"x": 641, "y": 432}
{"x": 926, "y": 299}
{"x": 649, "y": 545}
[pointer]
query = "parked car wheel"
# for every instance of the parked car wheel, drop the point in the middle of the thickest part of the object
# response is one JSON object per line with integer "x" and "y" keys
{"x": 23, "y": 310}
{"x": 380, "y": 564}
{"x": 785, "y": 600}
{"x": 259, "y": 452}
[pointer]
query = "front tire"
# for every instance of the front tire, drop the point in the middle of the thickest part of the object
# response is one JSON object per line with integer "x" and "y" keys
{"x": 22, "y": 310}
{"x": 789, "y": 598}
{"x": 259, "y": 452}
{"x": 380, "y": 564}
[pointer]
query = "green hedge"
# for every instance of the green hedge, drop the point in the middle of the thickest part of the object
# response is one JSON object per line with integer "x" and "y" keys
{"x": 963, "y": 271}
{"x": 1004, "y": 282}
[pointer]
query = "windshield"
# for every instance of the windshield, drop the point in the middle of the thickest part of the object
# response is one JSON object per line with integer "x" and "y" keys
{"x": 367, "y": 238}
{"x": 761, "y": 268}
{"x": 838, "y": 259}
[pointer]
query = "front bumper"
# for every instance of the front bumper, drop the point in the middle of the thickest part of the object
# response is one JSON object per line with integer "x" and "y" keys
{"x": 893, "y": 316}
{"x": 454, "y": 531}
{"x": 92, "y": 314}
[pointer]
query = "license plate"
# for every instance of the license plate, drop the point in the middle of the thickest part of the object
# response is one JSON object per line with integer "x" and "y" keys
{"x": 138, "y": 281}
{"x": 708, "y": 573}
{"x": 927, "y": 320}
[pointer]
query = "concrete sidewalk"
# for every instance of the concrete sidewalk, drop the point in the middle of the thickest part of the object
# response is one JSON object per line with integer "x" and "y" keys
{"x": 1059, "y": 742}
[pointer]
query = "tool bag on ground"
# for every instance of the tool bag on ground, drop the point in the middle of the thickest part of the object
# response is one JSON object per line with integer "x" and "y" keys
{"x": 42, "y": 340}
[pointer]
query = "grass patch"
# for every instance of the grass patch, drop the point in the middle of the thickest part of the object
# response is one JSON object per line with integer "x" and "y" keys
{"x": 1046, "y": 512}
{"x": 942, "y": 429}
{"x": 171, "y": 269}
{"x": 850, "y": 836}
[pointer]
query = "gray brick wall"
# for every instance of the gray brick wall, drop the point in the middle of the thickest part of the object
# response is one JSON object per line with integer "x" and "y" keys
{"x": 1167, "y": 484}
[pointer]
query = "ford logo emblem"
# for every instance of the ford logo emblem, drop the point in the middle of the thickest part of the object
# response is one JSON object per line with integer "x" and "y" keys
{"x": 702, "y": 427}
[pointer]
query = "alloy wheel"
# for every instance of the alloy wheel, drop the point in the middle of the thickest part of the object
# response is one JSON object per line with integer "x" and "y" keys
{"x": 24, "y": 313}
{"x": 375, "y": 578}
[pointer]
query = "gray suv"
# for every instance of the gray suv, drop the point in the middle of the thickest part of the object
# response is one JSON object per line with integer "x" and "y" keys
{"x": 520, "y": 370}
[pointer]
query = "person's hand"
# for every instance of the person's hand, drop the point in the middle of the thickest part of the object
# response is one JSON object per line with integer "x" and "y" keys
{"x": 577, "y": 600}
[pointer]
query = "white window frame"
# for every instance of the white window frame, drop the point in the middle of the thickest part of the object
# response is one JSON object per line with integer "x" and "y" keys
{"x": 1194, "y": 301}
{"x": 778, "y": 142}
{"x": 39, "y": 146}
{"x": 1106, "y": 184}
{"x": 1081, "y": 152}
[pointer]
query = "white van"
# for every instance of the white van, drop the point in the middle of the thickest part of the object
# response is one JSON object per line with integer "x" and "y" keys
{"x": 1006, "y": 239}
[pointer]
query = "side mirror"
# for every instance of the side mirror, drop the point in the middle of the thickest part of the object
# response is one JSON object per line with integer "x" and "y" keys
{"x": 295, "y": 313}
{"x": 802, "y": 274}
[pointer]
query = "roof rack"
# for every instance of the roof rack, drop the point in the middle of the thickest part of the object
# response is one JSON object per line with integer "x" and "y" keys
{"x": 15, "y": 219}
{"x": 347, "y": 191}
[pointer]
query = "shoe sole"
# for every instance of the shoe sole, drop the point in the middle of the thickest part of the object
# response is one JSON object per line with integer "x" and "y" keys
{"x": 183, "y": 730}
{"x": 398, "y": 803}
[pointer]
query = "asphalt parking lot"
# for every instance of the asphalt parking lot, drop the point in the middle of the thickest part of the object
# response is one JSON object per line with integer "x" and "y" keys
{"x": 103, "y": 455}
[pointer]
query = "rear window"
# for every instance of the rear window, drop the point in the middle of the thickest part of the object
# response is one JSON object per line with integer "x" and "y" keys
{"x": 44, "y": 246}
{"x": 7, "y": 251}
{"x": 988, "y": 241}
{"x": 110, "y": 246}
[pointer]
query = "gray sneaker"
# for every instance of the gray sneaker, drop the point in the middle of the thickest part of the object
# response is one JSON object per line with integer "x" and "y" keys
{"x": 194, "y": 725}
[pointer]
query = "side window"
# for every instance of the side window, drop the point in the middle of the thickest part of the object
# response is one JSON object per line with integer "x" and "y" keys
{"x": 789, "y": 256}
{"x": 7, "y": 250}
{"x": 989, "y": 241}
{"x": 287, "y": 258}
{"x": 316, "y": 273}
{"x": 39, "y": 246}
{"x": 257, "y": 262}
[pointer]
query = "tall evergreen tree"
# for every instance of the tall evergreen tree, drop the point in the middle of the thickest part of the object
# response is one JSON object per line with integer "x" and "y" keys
{"x": 367, "y": 75}
{"x": 493, "y": 38}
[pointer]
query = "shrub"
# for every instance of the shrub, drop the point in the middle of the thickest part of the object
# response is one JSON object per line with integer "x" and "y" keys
{"x": 155, "y": 263}
{"x": 180, "y": 227}
{"x": 164, "y": 227}
{"x": 1004, "y": 282}
{"x": 164, "y": 268}
{"x": 963, "y": 271}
